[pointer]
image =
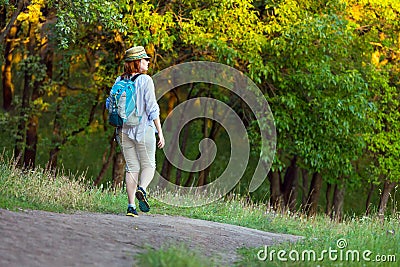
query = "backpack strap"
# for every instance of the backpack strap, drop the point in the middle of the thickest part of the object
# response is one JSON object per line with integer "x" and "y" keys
{"x": 123, "y": 77}
{"x": 135, "y": 76}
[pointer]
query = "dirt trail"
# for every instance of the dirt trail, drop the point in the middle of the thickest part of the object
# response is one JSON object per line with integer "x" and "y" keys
{"x": 38, "y": 238}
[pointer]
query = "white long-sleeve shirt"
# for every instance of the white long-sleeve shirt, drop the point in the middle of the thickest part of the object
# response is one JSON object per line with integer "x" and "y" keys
{"x": 147, "y": 107}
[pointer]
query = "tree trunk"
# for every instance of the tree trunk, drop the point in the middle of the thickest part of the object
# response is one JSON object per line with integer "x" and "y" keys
{"x": 190, "y": 181}
{"x": 107, "y": 162}
{"x": 276, "y": 199}
{"x": 185, "y": 138}
{"x": 167, "y": 166}
{"x": 19, "y": 142}
{"x": 3, "y": 16}
{"x": 304, "y": 187}
{"x": 33, "y": 120}
{"x": 215, "y": 127}
{"x": 290, "y": 184}
{"x": 338, "y": 201}
{"x": 56, "y": 137}
{"x": 8, "y": 26}
{"x": 313, "y": 195}
{"x": 171, "y": 127}
{"x": 118, "y": 170}
{"x": 368, "y": 202}
{"x": 31, "y": 142}
{"x": 8, "y": 87}
{"x": 166, "y": 170}
{"x": 387, "y": 189}
{"x": 203, "y": 173}
{"x": 328, "y": 208}
{"x": 32, "y": 132}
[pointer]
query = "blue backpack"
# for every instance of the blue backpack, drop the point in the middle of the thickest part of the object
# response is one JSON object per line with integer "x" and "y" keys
{"x": 121, "y": 103}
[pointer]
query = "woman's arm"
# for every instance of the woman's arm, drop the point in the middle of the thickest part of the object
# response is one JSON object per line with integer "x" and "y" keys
{"x": 161, "y": 141}
{"x": 153, "y": 110}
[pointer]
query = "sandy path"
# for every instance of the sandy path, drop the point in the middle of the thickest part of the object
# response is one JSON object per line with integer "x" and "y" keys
{"x": 38, "y": 238}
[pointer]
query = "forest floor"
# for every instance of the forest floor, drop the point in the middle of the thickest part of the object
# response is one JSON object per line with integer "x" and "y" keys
{"x": 39, "y": 238}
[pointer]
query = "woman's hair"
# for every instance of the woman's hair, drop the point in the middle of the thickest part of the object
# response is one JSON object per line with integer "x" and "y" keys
{"x": 131, "y": 67}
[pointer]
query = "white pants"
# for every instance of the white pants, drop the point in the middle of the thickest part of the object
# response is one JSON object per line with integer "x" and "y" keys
{"x": 139, "y": 155}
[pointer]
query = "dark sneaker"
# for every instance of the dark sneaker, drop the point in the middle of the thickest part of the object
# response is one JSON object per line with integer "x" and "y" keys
{"x": 131, "y": 212}
{"x": 141, "y": 196}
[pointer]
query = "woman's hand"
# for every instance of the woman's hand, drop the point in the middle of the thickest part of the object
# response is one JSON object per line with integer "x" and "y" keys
{"x": 161, "y": 141}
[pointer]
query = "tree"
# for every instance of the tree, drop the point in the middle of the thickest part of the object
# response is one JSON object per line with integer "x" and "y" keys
{"x": 40, "y": 33}
{"x": 316, "y": 92}
{"x": 378, "y": 29}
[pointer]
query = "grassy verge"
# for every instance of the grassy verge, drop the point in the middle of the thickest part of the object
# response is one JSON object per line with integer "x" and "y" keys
{"x": 64, "y": 193}
{"x": 177, "y": 256}
{"x": 364, "y": 237}
{"x": 357, "y": 241}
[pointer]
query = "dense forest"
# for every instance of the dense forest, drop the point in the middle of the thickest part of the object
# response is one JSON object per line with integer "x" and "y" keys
{"x": 328, "y": 69}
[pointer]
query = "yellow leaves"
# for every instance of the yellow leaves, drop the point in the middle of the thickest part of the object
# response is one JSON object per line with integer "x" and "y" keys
{"x": 43, "y": 106}
{"x": 383, "y": 62}
{"x": 95, "y": 126}
{"x": 33, "y": 13}
{"x": 356, "y": 12}
{"x": 376, "y": 59}
{"x": 151, "y": 49}
{"x": 376, "y": 44}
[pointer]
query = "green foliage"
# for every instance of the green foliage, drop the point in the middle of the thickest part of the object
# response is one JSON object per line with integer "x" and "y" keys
{"x": 383, "y": 142}
{"x": 148, "y": 27}
{"x": 174, "y": 255}
{"x": 229, "y": 31}
{"x": 378, "y": 26}
{"x": 73, "y": 17}
{"x": 318, "y": 97}
{"x": 75, "y": 111}
{"x": 323, "y": 118}
{"x": 32, "y": 64}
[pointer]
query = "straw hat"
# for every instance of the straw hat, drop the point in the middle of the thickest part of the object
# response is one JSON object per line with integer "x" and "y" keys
{"x": 135, "y": 53}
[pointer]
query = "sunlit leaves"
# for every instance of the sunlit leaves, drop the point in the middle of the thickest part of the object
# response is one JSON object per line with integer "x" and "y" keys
{"x": 145, "y": 26}
{"x": 378, "y": 26}
{"x": 33, "y": 12}
{"x": 230, "y": 30}
{"x": 74, "y": 16}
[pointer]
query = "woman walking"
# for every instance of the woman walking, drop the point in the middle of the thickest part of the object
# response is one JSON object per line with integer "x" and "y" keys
{"x": 138, "y": 141}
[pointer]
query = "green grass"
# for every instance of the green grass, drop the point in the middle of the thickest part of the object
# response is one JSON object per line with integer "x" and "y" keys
{"x": 359, "y": 234}
{"x": 69, "y": 193}
{"x": 64, "y": 193}
{"x": 177, "y": 256}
